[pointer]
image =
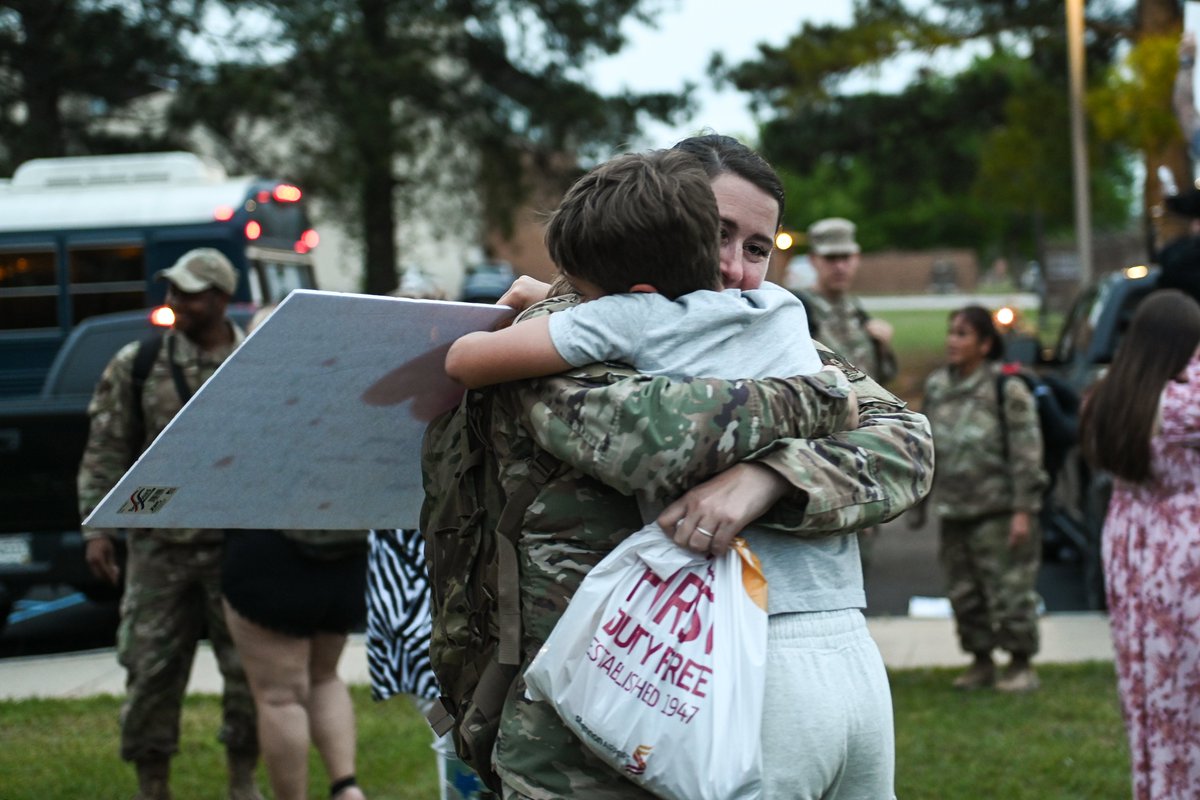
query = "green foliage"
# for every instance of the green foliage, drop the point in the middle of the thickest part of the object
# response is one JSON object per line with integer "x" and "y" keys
{"x": 71, "y": 67}
{"x": 1066, "y": 741}
{"x": 977, "y": 158}
{"x": 403, "y": 100}
{"x": 1133, "y": 105}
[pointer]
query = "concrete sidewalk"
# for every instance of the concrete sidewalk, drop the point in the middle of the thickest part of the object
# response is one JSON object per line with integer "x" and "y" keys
{"x": 905, "y": 642}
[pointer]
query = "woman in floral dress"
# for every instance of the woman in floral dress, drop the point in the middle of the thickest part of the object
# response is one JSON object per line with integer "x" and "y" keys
{"x": 1142, "y": 424}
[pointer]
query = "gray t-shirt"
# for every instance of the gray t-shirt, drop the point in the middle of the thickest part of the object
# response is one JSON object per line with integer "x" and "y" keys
{"x": 732, "y": 334}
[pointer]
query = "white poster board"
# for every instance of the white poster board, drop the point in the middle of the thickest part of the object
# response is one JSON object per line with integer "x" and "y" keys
{"x": 314, "y": 422}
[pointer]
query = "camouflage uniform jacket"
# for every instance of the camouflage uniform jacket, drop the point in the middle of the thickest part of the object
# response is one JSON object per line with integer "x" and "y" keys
{"x": 110, "y": 451}
{"x": 619, "y": 435}
{"x": 973, "y": 476}
{"x": 841, "y": 325}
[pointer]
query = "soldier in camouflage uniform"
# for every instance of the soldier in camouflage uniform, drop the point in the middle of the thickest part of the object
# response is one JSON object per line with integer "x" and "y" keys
{"x": 619, "y": 436}
{"x": 838, "y": 319}
{"x": 172, "y": 585}
{"x": 988, "y": 490}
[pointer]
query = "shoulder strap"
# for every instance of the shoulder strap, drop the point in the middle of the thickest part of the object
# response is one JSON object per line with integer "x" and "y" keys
{"x": 181, "y": 388}
{"x": 143, "y": 361}
{"x": 1001, "y": 379}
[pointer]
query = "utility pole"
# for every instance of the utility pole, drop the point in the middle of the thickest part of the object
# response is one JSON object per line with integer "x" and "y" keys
{"x": 1079, "y": 155}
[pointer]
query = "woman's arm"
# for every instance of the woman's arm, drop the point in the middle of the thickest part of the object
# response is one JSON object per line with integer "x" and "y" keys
{"x": 522, "y": 350}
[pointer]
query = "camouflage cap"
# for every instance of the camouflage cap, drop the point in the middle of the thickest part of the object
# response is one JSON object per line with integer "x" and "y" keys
{"x": 833, "y": 236}
{"x": 200, "y": 269}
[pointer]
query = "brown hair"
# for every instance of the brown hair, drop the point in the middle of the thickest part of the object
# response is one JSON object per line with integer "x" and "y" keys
{"x": 979, "y": 319}
{"x": 720, "y": 155}
{"x": 640, "y": 218}
{"x": 1118, "y": 415}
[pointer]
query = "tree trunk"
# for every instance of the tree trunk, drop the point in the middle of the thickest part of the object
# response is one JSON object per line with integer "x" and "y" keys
{"x": 1163, "y": 18}
{"x": 377, "y": 151}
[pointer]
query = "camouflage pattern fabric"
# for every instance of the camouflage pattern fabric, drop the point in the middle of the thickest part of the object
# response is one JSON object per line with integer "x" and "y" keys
{"x": 172, "y": 596}
{"x": 620, "y": 435}
{"x": 973, "y": 477}
{"x": 991, "y": 585}
{"x": 172, "y": 584}
{"x": 110, "y": 450}
{"x": 839, "y": 324}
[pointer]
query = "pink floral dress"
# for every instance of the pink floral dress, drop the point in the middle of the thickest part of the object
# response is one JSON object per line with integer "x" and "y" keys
{"x": 1152, "y": 567}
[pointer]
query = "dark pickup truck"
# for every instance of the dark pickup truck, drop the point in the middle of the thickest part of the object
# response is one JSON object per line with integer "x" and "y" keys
{"x": 1093, "y": 328}
{"x": 41, "y": 441}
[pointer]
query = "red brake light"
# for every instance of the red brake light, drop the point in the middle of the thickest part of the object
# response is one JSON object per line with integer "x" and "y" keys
{"x": 162, "y": 317}
{"x": 310, "y": 238}
{"x": 264, "y": 196}
{"x": 253, "y": 229}
{"x": 286, "y": 193}
{"x": 223, "y": 213}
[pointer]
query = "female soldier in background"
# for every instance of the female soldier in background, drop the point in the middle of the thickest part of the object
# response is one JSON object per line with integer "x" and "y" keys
{"x": 988, "y": 484}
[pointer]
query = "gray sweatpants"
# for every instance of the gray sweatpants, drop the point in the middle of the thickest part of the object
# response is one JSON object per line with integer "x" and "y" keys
{"x": 827, "y": 731}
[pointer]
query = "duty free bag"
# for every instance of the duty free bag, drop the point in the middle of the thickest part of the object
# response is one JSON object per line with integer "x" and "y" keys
{"x": 658, "y": 666}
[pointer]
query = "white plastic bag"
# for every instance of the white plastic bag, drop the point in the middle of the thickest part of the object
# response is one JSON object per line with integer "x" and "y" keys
{"x": 658, "y": 666}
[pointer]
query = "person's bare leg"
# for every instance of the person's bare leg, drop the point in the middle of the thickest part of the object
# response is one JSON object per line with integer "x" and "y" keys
{"x": 331, "y": 713}
{"x": 277, "y": 669}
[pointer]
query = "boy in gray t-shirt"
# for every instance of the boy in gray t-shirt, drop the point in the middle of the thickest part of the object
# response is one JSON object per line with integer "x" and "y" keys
{"x": 638, "y": 238}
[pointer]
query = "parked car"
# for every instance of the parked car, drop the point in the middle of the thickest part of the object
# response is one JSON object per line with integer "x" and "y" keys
{"x": 42, "y": 437}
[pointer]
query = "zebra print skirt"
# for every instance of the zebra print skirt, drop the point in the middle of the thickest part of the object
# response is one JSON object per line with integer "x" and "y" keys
{"x": 398, "y": 617}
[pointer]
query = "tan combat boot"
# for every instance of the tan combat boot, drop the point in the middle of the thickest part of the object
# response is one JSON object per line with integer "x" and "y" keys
{"x": 1018, "y": 678}
{"x": 979, "y": 675}
{"x": 241, "y": 776}
{"x": 153, "y": 778}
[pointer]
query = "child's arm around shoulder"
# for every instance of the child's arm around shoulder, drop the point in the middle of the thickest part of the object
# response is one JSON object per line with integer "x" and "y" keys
{"x": 522, "y": 350}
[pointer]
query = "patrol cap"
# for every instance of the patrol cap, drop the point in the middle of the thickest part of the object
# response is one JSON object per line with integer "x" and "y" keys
{"x": 200, "y": 269}
{"x": 832, "y": 236}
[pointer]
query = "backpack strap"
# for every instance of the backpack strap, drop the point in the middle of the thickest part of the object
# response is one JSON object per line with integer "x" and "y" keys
{"x": 143, "y": 361}
{"x": 181, "y": 388}
{"x": 508, "y": 530}
{"x": 1002, "y": 379}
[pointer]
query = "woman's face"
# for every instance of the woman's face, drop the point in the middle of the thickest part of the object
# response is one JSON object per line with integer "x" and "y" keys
{"x": 965, "y": 348}
{"x": 748, "y": 219}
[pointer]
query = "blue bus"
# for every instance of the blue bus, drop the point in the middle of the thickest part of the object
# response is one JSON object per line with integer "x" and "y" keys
{"x": 80, "y": 237}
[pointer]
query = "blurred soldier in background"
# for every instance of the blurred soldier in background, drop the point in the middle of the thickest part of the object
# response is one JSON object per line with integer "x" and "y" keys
{"x": 837, "y": 319}
{"x": 172, "y": 586}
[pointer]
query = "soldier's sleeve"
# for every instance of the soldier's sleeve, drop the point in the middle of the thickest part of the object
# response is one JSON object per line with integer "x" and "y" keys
{"x": 109, "y": 451}
{"x": 657, "y": 437}
{"x": 854, "y": 479}
{"x": 1024, "y": 446}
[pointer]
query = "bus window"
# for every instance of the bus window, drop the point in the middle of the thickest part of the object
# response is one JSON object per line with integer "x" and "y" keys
{"x": 106, "y": 279}
{"x": 28, "y": 289}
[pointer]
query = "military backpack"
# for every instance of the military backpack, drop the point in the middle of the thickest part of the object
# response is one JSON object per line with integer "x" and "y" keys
{"x": 1058, "y": 414}
{"x": 470, "y": 527}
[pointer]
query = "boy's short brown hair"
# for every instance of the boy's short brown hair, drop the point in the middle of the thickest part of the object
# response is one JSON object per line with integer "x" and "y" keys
{"x": 640, "y": 218}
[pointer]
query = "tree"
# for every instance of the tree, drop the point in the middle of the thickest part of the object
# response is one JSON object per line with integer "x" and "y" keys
{"x": 395, "y": 95}
{"x": 68, "y": 66}
{"x": 983, "y": 155}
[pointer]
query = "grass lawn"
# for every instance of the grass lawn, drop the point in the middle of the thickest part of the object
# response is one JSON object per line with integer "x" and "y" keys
{"x": 1063, "y": 742}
